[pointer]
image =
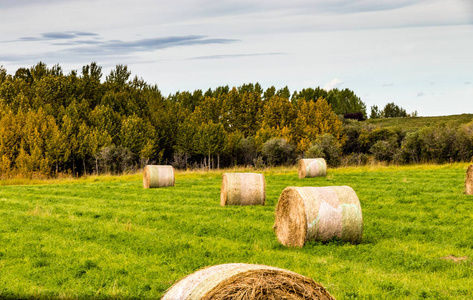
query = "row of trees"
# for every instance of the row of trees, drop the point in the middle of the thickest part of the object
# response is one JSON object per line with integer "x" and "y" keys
{"x": 54, "y": 123}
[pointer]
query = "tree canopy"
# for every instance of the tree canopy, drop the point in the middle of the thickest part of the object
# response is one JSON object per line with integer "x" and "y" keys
{"x": 80, "y": 123}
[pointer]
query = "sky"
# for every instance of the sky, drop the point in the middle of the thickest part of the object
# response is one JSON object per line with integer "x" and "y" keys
{"x": 415, "y": 53}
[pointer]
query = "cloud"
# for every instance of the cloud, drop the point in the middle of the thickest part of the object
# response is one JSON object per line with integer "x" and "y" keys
{"x": 49, "y": 36}
{"x": 467, "y": 82}
{"x": 387, "y": 84}
{"x": 117, "y": 47}
{"x": 90, "y": 45}
{"x": 69, "y": 38}
{"x": 420, "y": 94}
{"x": 224, "y": 56}
{"x": 335, "y": 83}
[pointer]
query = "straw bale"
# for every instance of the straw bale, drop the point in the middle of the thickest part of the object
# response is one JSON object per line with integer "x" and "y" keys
{"x": 242, "y": 189}
{"x": 318, "y": 213}
{"x": 245, "y": 282}
{"x": 155, "y": 176}
{"x": 312, "y": 167}
{"x": 469, "y": 181}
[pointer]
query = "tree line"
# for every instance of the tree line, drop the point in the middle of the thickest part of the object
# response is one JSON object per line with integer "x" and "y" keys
{"x": 80, "y": 123}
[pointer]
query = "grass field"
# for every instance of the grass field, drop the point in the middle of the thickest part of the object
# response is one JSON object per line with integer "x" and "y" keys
{"x": 107, "y": 237}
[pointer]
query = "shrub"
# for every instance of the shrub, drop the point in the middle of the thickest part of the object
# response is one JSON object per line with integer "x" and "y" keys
{"x": 278, "y": 151}
{"x": 328, "y": 147}
{"x": 248, "y": 152}
{"x": 352, "y": 131}
{"x": 412, "y": 147}
{"x": 315, "y": 151}
{"x": 368, "y": 138}
{"x": 355, "y": 116}
{"x": 384, "y": 150}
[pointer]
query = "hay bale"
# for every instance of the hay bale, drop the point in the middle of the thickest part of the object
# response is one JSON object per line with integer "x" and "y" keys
{"x": 155, "y": 176}
{"x": 469, "y": 181}
{"x": 242, "y": 189}
{"x": 244, "y": 282}
{"x": 312, "y": 167}
{"x": 318, "y": 213}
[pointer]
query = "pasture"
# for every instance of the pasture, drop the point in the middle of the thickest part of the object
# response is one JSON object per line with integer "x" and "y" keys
{"x": 107, "y": 237}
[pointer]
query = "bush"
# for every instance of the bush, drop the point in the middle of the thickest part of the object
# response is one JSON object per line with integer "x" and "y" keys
{"x": 328, "y": 147}
{"x": 248, "y": 150}
{"x": 355, "y": 116}
{"x": 278, "y": 151}
{"x": 315, "y": 151}
{"x": 412, "y": 147}
{"x": 368, "y": 138}
{"x": 384, "y": 150}
{"x": 352, "y": 131}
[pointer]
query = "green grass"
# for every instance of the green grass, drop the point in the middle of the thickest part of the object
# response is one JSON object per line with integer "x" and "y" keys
{"x": 411, "y": 123}
{"x": 107, "y": 237}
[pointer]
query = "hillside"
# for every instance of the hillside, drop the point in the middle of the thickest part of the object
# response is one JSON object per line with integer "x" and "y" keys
{"x": 412, "y": 123}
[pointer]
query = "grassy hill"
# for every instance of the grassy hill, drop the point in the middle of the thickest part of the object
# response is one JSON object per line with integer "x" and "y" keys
{"x": 110, "y": 238}
{"x": 413, "y": 123}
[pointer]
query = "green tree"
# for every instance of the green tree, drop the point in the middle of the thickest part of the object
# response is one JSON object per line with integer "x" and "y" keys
{"x": 136, "y": 134}
{"x": 391, "y": 110}
{"x": 375, "y": 113}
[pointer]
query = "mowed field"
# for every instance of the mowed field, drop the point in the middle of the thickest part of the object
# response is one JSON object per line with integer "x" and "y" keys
{"x": 107, "y": 237}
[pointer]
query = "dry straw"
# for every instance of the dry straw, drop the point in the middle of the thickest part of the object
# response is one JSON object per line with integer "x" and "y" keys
{"x": 242, "y": 189}
{"x": 245, "y": 282}
{"x": 469, "y": 181}
{"x": 312, "y": 167}
{"x": 158, "y": 176}
{"x": 318, "y": 213}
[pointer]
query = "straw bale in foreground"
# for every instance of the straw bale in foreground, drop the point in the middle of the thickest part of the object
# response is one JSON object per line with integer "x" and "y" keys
{"x": 318, "y": 213}
{"x": 242, "y": 189}
{"x": 155, "y": 176}
{"x": 312, "y": 167}
{"x": 245, "y": 282}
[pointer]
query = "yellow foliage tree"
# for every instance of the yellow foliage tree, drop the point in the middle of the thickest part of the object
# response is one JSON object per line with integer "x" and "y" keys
{"x": 315, "y": 119}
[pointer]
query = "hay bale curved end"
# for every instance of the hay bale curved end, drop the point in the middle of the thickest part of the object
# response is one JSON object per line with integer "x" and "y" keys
{"x": 245, "y": 282}
{"x": 155, "y": 176}
{"x": 469, "y": 181}
{"x": 243, "y": 189}
{"x": 318, "y": 213}
{"x": 312, "y": 167}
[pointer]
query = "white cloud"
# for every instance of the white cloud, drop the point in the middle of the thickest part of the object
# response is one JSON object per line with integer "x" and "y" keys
{"x": 335, "y": 83}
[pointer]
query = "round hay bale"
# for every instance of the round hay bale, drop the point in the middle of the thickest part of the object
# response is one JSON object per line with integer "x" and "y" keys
{"x": 318, "y": 213}
{"x": 245, "y": 282}
{"x": 242, "y": 189}
{"x": 469, "y": 181}
{"x": 312, "y": 167}
{"x": 155, "y": 176}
